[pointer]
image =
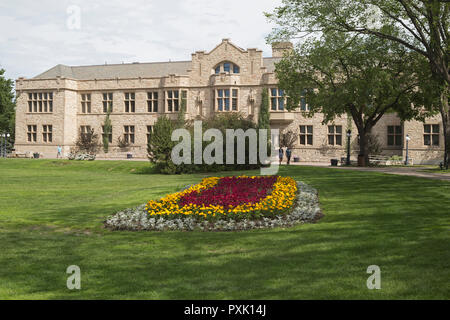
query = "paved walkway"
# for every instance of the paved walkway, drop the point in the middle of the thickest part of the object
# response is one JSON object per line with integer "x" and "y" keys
{"x": 403, "y": 171}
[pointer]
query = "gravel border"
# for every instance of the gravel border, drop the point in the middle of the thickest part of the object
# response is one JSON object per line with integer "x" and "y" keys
{"x": 306, "y": 210}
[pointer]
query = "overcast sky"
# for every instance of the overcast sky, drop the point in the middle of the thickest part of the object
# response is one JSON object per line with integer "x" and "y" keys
{"x": 37, "y": 35}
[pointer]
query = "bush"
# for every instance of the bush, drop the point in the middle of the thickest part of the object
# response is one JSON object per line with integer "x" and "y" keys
{"x": 160, "y": 146}
{"x": 87, "y": 142}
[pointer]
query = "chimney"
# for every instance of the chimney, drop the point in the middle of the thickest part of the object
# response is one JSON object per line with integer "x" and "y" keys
{"x": 279, "y": 48}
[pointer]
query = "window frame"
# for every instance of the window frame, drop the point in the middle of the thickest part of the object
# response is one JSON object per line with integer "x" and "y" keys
{"x": 233, "y": 67}
{"x": 129, "y": 132}
{"x": 280, "y": 96}
{"x": 431, "y": 135}
{"x": 307, "y": 135}
{"x": 334, "y": 134}
{"x": 85, "y": 99}
{"x": 130, "y": 102}
{"x": 47, "y": 133}
{"x": 232, "y": 98}
{"x": 397, "y": 137}
{"x": 152, "y": 101}
{"x": 175, "y": 102}
{"x": 32, "y": 132}
{"x": 40, "y": 102}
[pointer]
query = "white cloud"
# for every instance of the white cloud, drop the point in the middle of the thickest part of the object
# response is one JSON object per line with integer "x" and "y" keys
{"x": 36, "y": 36}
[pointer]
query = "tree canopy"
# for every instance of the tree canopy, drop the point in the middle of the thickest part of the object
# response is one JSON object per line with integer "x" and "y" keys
{"x": 7, "y": 104}
{"x": 360, "y": 75}
{"x": 421, "y": 26}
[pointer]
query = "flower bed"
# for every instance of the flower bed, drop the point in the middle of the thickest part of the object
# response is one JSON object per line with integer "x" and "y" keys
{"x": 305, "y": 208}
{"x": 229, "y": 198}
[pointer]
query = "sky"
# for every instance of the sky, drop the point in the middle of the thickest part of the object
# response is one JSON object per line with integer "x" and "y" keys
{"x": 37, "y": 35}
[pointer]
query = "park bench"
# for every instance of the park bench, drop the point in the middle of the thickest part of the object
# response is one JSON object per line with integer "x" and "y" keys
{"x": 21, "y": 155}
{"x": 378, "y": 159}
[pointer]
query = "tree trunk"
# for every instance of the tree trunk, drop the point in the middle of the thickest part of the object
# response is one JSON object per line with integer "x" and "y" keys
{"x": 445, "y": 113}
{"x": 363, "y": 147}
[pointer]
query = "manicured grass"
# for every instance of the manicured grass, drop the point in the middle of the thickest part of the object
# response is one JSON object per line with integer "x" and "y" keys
{"x": 51, "y": 215}
{"x": 436, "y": 170}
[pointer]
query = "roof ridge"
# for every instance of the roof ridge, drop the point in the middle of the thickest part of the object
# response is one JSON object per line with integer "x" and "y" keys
{"x": 129, "y": 63}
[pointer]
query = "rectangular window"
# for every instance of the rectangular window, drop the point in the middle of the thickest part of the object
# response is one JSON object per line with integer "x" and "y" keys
{"x": 306, "y": 135}
{"x": 227, "y": 99}
{"x": 86, "y": 103}
{"x": 173, "y": 100}
{"x": 394, "y": 135}
{"x": 31, "y": 133}
{"x": 40, "y": 102}
{"x": 149, "y": 133}
{"x": 335, "y": 135}
{"x": 277, "y": 99}
{"x": 107, "y": 102}
{"x": 128, "y": 134}
{"x": 109, "y": 135}
{"x": 152, "y": 101}
{"x": 130, "y": 102}
{"x": 431, "y": 134}
{"x": 47, "y": 131}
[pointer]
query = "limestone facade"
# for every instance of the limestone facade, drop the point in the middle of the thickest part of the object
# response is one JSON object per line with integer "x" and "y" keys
{"x": 228, "y": 78}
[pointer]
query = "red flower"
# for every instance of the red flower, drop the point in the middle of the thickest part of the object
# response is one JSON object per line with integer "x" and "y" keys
{"x": 231, "y": 192}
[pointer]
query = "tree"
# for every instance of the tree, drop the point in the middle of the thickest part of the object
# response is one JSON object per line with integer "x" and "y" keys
{"x": 87, "y": 142}
{"x": 288, "y": 139}
{"x": 107, "y": 129}
{"x": 264, "y": 117}
{"x": 421, "y": 26}
{"x": 160, "y": 145}
{"x": 7, "y": 105}
{"x": 359, "y": 75}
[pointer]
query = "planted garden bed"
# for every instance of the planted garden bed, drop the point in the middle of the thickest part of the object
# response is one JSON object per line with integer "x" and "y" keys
{"x": 225, "y": 204}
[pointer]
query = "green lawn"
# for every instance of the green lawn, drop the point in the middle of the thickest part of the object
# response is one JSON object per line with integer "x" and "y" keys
{"x": 51, "y": 215}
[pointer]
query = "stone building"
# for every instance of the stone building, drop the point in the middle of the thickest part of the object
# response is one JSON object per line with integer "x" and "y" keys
{"x": 54, "y": 107}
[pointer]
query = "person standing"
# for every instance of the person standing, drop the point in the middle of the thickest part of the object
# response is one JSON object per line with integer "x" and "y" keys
{"x": 59, "y": 155}
{"x": 288, "y": 155}
{"x": 280, "y": 154}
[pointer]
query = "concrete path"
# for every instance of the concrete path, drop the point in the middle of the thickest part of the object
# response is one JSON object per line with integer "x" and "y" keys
{"x": 403, "y": 171}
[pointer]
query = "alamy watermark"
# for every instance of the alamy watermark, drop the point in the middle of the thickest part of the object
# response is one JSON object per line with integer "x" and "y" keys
{"x": 74, "y": 280}
{"x": 214, "y": 151}
{"x": 374, "y": 281}
{"x": 73, "y": 21}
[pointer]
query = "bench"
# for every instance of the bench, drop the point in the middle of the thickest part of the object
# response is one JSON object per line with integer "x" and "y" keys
{"x": 389, "y": 161}
{"x": 378, "y": 159}
{"x": 21, "y": 155}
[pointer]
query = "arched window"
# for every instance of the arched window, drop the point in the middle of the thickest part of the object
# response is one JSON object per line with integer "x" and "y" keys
{"x": 227, "y": 67}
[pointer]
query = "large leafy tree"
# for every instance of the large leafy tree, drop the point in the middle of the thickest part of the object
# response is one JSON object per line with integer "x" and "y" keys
{"x": 421, "y": 26}
{"x": 7, "y": 105}
{"x": 363, "y": 76}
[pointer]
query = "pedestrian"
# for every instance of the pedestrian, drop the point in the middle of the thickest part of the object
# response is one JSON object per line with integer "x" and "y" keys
{"x": 59, "y": 155}
{"x": 280, "y": 154}
{"x": 288, "y": 155}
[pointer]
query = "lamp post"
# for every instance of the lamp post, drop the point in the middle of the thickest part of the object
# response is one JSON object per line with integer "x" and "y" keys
{"x": 407, "y": 151}
{"x": 349, "y": 135}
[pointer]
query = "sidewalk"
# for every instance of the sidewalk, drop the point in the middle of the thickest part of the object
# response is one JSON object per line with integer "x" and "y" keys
{"x": 402, "y": 171}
